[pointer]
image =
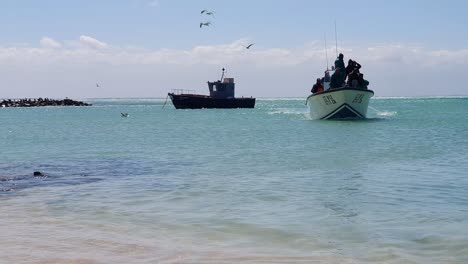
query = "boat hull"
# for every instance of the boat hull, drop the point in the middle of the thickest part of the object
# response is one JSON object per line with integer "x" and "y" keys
{"x": 190, "y": 101}
{"x": 342, "y": 103}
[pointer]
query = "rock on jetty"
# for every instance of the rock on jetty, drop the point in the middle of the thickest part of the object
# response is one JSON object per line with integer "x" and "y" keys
{"x": 40, "y": 102}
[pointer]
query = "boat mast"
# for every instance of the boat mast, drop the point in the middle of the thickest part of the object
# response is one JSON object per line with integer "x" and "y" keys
{"x": 222, "y": 75}
{"x": 326, "y": 52}
{"x": 336, "y": 40}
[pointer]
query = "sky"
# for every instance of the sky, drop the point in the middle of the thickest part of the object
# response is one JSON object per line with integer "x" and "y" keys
{"x": 146, "y": 48}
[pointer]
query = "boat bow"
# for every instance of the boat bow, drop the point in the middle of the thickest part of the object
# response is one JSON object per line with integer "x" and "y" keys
{"x": 342, "y": 103}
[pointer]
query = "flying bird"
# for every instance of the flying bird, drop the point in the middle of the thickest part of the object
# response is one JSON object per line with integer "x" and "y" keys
{"x": 124, "y": 114}
{"x": 97, "y": 84}
{"x": 205, "y": 24}
{"x": 206, "y": 12}
{"x": 248, "y": 46}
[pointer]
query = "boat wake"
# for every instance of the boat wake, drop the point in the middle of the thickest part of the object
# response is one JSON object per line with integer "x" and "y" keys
{"x": 384, "y": 114}
{"x": 387, "y": 114}
{"x": 294, "y": 113}
{"x": 287, "y": 111}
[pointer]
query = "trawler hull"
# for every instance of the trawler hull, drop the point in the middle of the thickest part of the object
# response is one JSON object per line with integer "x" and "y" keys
{"x": 194, "y": 101}
{"x": 342, "y": 103}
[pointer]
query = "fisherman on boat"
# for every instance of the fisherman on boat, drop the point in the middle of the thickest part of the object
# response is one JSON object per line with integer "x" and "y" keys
{"x": 336, "y": 79}
{"x": 339, "y": 64}
{"x": 318, "y": 86}
{"x": 352, "y": 65}
{"x": 363, "y": 82}
{"x": 353, "y": 78}
{"x": 327, "y": 76}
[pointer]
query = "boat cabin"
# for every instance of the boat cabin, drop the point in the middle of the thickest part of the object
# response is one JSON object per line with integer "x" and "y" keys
{"x": 224, "y": 89}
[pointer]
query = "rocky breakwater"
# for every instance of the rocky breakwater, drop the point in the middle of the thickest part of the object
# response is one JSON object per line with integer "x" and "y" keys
{"x": 40, "y": 102}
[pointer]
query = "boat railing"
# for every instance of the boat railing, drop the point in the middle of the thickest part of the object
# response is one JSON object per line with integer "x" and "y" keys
{"x": 182, "y": 91}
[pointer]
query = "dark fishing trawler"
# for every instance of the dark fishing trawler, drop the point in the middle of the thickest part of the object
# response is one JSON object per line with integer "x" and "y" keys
{"x": 221, "y": 96}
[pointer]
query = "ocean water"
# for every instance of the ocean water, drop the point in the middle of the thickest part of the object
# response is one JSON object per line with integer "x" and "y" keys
{"x": 263, "y": 185}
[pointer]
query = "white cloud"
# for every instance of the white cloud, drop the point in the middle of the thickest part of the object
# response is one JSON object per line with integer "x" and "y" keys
{"x": 393, "y": 69}
{"x": 49, "y": 43}
{"x": 93, "y": 43}
{"x": 91, "y": 49}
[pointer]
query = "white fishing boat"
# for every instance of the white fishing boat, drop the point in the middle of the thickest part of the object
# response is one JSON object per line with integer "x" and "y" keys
{"x": 339, "y": 103}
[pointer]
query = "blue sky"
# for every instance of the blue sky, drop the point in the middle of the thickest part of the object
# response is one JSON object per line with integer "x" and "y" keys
{"x": 174, "y": 23}
{"x": 51, "y": 35}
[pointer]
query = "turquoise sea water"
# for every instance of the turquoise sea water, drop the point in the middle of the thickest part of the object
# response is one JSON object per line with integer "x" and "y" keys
{"x": 263, "y": 185}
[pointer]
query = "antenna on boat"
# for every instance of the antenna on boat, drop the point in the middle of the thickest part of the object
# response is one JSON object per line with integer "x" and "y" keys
{"x": 326, "y": 52}
{"x": 336, "y": 40}
{"x": 222, "y": 75}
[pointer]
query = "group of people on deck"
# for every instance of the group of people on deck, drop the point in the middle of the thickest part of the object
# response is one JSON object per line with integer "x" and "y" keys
{"x": 348, "y": 76}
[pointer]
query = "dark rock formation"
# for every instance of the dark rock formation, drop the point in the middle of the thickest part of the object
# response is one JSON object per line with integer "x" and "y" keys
{"x": 38, "y": 174}
{"x": 40, "y": 102}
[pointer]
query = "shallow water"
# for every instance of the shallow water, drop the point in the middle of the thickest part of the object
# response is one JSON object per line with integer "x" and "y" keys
{"x": 263, "y": 185}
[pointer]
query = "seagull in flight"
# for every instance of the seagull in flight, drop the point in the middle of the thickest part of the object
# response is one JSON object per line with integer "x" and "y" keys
{"x": 124, "y": 114}
{"x": 248, "y": 46}
{"x": 208, "y": 13}
{"x": 205, "y": 24}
